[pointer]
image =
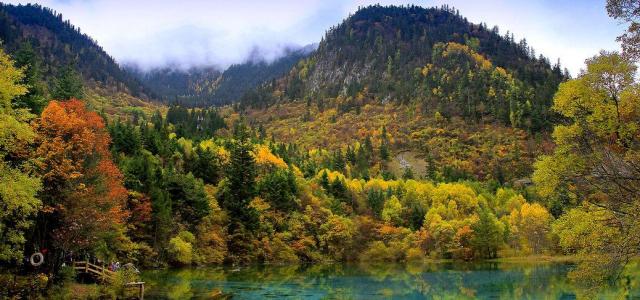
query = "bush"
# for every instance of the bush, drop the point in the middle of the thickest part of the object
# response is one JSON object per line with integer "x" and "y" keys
{"x": 181, "y": 248}
{"x": 377, "y": 252}
{"x": 414, "y": 254}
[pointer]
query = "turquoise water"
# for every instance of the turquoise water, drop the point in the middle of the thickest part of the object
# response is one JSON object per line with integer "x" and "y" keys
{"x": 382, "y": 281}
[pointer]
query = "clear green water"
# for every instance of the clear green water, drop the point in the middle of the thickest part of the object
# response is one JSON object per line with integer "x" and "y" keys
{"x": 381, "y": 281}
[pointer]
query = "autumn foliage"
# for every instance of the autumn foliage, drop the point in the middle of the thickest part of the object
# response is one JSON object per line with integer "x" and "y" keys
{"x": 83, "y": 187}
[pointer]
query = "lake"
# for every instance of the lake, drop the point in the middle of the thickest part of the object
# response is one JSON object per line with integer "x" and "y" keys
{"x": 488, "y": 280}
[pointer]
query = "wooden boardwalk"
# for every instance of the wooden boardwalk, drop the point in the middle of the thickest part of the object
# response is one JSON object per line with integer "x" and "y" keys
{"x": 105, "y": 275}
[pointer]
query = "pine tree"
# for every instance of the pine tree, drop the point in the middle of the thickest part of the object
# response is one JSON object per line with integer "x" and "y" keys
{"x": 368, "y": 148}
{"x": 68, "y": 85}
{"x": 375, "y": 199}
{"x": 408, "y": 173}
{"x": 35, "y": 98}
{"x": 384, "y": 144}
{"x": 430, "y": 170}
{"x": 338, "y": 161}
{"x": 351, "y": 155}
{"x": 339, "y": 190}
{"x": 241, "y": 186}
{"x": 324, "y": 180}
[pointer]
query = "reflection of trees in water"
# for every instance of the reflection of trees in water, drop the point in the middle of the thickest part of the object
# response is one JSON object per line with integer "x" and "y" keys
{"x": 379, "y": 281}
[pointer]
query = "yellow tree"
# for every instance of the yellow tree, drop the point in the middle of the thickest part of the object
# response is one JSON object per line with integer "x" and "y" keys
{"x": 597, "y": 157}
{"x": 532, "y": 224}
{"x": 18, "y": 202}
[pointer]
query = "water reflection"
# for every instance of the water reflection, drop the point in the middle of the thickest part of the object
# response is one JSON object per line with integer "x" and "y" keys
{"x": 382, "y": 281}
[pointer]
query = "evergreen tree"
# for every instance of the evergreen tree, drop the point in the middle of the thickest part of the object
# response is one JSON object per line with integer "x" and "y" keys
{"x": 35, "y": 98}
{"x": 338, "y": 161}
{"x": 375, "y": 199}
{"x": 430, "y": 170}
{"x": 68, "y": 85}
{"x": 384, "y": 144}
{"x": 339, "y": 189}
{"x": 408, "y": 173}
{"x": 241, "y": 182}
{"x": 488, "y": 234}
{"x": 188, "y": 197}
{"x": 351, "y": 156}
{"x": 324, "y": 180}
{"x": 206, "y": 166}
{"x": 279, "y": 188}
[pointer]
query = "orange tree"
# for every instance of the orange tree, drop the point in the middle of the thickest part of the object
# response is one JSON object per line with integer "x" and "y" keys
{"x": 83, "y": 194}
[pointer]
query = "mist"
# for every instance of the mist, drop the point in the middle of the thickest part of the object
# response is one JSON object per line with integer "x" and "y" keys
{"x": 185, "y": 34}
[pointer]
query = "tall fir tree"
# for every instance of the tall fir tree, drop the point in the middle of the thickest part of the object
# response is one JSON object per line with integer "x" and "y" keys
{"x": 36, "y": 97}
{"x": 241, "y": 186}
{"x": 68, "y": 85}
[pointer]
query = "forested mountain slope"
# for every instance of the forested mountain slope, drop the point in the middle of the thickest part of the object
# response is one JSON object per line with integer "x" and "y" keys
{"x": 442, "y": 97}
{"x": 207, "y": 86}
{"x": 193, "y": 87}
{"x": 240, "y": 78}
{"x": 59, "y": 44}
{"x": 431, "y": 56}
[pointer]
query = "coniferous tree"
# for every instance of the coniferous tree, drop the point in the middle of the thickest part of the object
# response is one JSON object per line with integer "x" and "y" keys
{"x": 68, "y": 85}
{"x": 375, "y": 199}
{"x": 384, "y": 144}
{"x": 407, "y": 173}
{"x": 35, "y": 98}
{"x": 324, "y": 180}
{"x": 241, "y": 186}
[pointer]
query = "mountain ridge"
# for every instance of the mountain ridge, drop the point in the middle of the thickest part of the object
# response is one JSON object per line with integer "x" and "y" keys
{"x": 382, "y": 52}
{"x": 59, "y": 43}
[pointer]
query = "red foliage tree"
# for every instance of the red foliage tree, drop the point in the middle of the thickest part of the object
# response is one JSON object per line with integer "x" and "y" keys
{"x": 84, "y": 195}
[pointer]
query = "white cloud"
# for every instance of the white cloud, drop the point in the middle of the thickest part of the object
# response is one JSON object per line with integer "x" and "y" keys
{"x": 153, "y": 33}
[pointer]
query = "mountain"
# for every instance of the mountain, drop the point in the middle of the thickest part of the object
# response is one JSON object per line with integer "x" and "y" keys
{"x": 206, "y": 86}
{"x": 58, "y": 44}
{"x": 240, "y": 78}
{"x": 432, "y": 56}
{"x": 190, "y": 87}
{"x": 434, "y": 92}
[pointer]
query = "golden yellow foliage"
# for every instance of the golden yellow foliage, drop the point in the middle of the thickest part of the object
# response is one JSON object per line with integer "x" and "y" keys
{"x": 264, "y": 157}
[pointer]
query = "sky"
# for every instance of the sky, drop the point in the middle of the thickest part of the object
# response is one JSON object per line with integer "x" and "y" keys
{"x": 155, "y": 33}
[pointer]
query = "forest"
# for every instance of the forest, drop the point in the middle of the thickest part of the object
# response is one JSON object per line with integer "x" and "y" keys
{"x": 446, "y": 142}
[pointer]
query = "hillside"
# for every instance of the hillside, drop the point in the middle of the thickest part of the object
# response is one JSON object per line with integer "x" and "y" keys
{"x": 58, "y": 44}
{"x": 240, "y": 78}
{"x": 454, "y": 99}
{"x": 192, "y": 87}
{"x": 387, "y": 54}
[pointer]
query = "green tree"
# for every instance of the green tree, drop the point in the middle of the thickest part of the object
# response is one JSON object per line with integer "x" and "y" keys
{"x": 488, "y": 234}
{"x": 339, "y": 190}
{"x": 280, "y": 189}
{"x": 35, "y": 98}
{"x": 324, "y": 180}
{"x": 68, "y": 85}
{"x": 407, "y": 173}
{"x": 181, "y": 248}
{"x": 240, "y": 187}
{"x": 392, "y": 211}
{"x": 188, "y": 197}
{"x": 375, "y": 199}
{"x": 384, "y": 144}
